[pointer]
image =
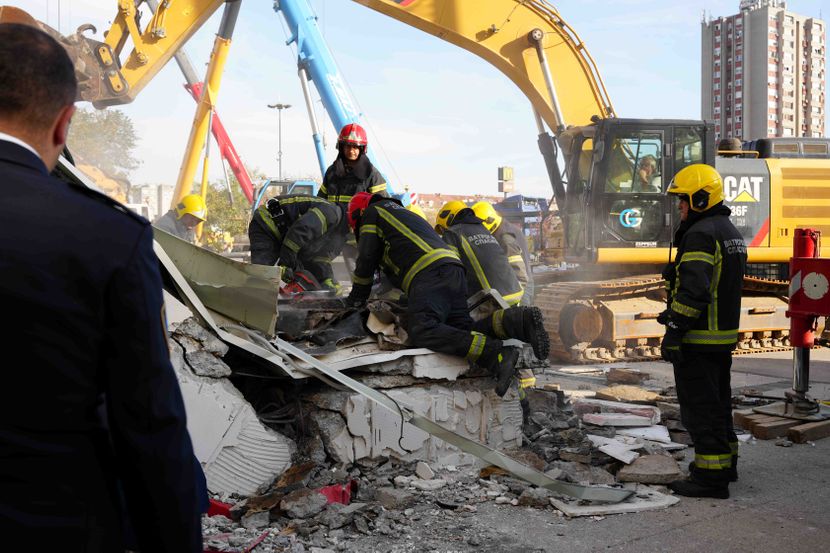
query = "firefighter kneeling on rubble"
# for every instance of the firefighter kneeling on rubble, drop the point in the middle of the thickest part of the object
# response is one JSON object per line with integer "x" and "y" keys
{"x": 300, "y": 233}
{"x": 704, "y": 309}
{"x": 415, "y": 259}
{"x": 487, "y": 268}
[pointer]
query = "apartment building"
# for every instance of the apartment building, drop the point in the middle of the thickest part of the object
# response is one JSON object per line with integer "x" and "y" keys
{"x": 763, "y": 72}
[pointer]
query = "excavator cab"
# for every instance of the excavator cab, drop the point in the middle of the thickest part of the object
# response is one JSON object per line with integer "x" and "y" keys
{"x": 616, "y": 209}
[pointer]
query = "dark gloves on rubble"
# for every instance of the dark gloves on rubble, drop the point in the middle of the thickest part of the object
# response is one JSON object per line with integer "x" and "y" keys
{"x": 288, "y": 258}
{"x": 663, "y": 318}
{"x": 354, "y": 302}
{"x": 670, "y": 347}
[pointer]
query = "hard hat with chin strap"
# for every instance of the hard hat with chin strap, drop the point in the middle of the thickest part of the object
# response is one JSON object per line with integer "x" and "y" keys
{"x": 487, "y": 213}
{"x": 701, "y": 184}
{"x": 192, "y": 204}
{"x": 447, "y": 213}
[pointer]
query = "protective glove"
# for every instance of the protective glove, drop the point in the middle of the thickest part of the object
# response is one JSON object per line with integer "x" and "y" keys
{"x": 288, "y": 258}
{"x": 287, "y": 274}
{"x": 663, "y": 318}
{"x": 354, "y": 302}
{"x": 670, "y": 347}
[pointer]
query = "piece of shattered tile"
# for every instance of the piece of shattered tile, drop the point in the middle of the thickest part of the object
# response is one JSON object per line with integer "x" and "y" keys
{"x": 644, "y": 499}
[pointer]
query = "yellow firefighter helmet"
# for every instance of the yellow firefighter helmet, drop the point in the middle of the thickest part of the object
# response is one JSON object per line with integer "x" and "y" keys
{"x": 487, "y": 213}
{"x": 700, "y": 183}
{"x": 447, "y": 213}
{"x": 192, "y": 204}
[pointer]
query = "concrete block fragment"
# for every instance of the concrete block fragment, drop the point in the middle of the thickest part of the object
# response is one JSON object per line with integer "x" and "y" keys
{"x": 439, "y": 366}
{"x": 237, "y": 452}
{"x": 615, "y": 419}
{"x": 651, "y": 469}
{"x": 583, "y": 474}
{"x": 401, "y": 481}
{"x": 669, "y": 410}
{"x": 423, "y": 471}
{"x": 208, "y": 341}
{"x": 303, "y": 503}
{"x": 254, "y": 521}
{"x": 535, "y": 497}
{"x": 331, "y": 428}
{"x": 428, "y": 485}
{"x": 336, "y": 515}
{"x": 582, "y": 406}
{"x": 656, "y": 433}
{"x": 204, "y": 363}
{"x": 391, "y": 498}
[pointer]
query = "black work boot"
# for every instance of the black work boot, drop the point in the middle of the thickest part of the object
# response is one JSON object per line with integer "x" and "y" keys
{"x": 501, "y": 362}
{"x": 526, "y": 324}
{"x": 696, "y": 488}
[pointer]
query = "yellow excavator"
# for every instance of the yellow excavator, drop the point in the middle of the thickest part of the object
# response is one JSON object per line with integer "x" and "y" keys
{"x": 617, "y": 225}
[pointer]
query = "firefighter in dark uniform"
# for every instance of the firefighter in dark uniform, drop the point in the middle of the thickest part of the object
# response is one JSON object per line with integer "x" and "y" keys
{"x": 300, "y": 233}
{"x": 351, "y": 172}
{"x": 91, "y": 411}
{"x": 514, "y": 244}
{"x": 416, "y": 260}
{"x": 704, "y": 308}
{"x": 487, "y": 267}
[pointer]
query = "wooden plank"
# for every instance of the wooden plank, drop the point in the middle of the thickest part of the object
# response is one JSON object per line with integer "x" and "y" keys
{"x": 760, "y": 419}
{"x": 739, "y": 417}
{"x": 809, "y": 431}
{"x": 773, "y": 429}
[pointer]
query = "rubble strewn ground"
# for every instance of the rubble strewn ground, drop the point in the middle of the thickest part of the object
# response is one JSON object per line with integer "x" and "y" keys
{"x": 425, "y": 497}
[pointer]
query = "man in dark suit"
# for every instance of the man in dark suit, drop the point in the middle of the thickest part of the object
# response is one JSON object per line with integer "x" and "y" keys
{"x": 91, "y": 415}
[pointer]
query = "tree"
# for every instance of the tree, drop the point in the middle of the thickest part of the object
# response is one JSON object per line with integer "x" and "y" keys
{"x": 106, "y": 139}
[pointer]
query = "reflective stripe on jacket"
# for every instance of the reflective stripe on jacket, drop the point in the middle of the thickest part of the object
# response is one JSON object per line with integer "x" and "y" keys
{"x": 398, "y": 241}
{"x": 514, "y": 244}
{"x": 705, "y": 282}
{"x": 485, "y": 261}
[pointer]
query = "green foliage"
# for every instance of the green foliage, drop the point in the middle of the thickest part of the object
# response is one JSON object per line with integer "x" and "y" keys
{"x": 104, "y": 138}
{"x": 224, "y": 215}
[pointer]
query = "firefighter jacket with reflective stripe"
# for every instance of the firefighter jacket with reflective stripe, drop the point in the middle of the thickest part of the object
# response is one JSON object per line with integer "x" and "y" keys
{"x": 483, "y": 257}
{"x": 343, "y": 180}
{"x": 298, "y": 222}
{"x": 705, "y": 281}
{"x": 514, "y": 244}
{"x": 398, "y": 241}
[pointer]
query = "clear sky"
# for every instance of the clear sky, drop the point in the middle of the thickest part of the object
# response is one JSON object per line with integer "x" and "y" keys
{"x": 439, "y": 118}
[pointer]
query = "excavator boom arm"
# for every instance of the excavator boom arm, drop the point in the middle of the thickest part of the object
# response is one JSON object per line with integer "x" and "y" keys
{"x": 502, "y": 32}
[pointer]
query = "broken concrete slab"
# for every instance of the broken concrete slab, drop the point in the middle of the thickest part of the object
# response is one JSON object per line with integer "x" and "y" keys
{"x": 651, "y": 469}
{"x": 207, "y": 340}
{"x": 237, "y": 452}
{"x": 644, "y": 499}
{"x": 468, "y": 407}
{"x": 206, "y": 364}
{"x": 579, "y": 473}
{"x": 616, "y": 419}
{"x": 428, "y": 485}
{"x": 617, "y": 375}
{"x": 535, "y": 497}
{"x": 438, "y": 366}
{"x": 424, "y": 471}
{"x": 656, "y": 433}
{"x": 303, "y": 503}
{"x": 392, "y": 498}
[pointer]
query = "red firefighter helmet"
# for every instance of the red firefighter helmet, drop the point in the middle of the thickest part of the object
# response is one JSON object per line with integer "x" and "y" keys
{"x": 353, "y": 134}
{"x": 357, "y": 204}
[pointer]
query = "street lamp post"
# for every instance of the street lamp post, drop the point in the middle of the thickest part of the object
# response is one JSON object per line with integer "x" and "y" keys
{"x": 279, "y": 107}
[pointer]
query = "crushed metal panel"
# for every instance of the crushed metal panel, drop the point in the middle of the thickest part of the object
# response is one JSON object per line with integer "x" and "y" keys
{"x": 191, "y": 299}
{"x": 240, "y": 291}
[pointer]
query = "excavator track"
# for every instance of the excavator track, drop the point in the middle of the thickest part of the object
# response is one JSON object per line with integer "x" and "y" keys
{"x": 578, "y": 332}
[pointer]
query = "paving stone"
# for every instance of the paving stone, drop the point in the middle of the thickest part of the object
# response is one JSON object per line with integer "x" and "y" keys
{"x": 651, "y": 469}
{"x": 303, "y": 503}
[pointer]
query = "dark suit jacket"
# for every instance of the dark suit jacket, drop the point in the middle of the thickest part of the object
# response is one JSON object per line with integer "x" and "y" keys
{"x": 82, "y": 338}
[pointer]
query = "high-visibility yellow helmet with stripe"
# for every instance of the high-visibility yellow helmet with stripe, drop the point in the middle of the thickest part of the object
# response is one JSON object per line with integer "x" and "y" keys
{"x": 487, "y": 213}
{"x": 701, "y": 184}
{"x": 192, "y": 204}
{"x": 447, "y": 213}
{"x": 416, "y": 209}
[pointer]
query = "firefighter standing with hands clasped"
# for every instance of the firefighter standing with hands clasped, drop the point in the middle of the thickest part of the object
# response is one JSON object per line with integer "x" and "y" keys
{"x": 704, "y": 308}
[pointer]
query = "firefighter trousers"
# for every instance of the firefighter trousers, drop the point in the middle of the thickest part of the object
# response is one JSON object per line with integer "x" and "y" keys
{"x": 437, "y": 315}
{"x": 704, "y": 390}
